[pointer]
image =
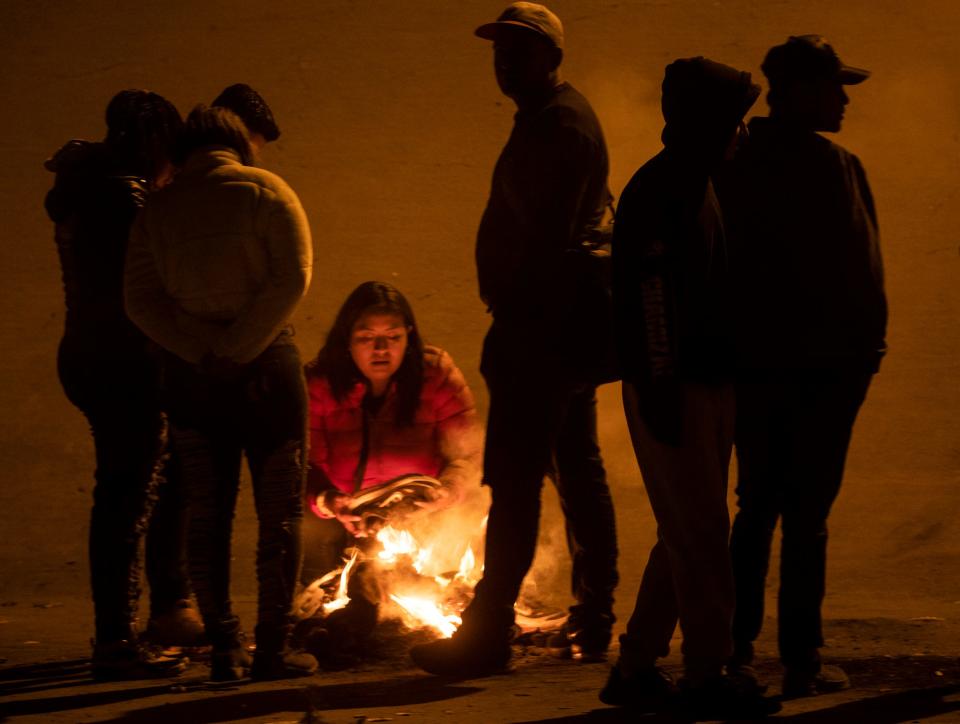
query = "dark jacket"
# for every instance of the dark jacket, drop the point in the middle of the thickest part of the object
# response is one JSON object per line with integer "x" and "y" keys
{"x": 549, "y": 189}
{"x": 93, "y": 204}
{"x": 670, "y": 266}
{"x": 809, "y": 275}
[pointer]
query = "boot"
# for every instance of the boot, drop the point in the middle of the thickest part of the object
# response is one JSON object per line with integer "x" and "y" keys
{"x": 180, "y": 626}
{"x": 275, "y": 659}
{"x": 583, "y": 638}
{"x": 480, "y": 647}
{"x": 645, "y": 691}
{"x": 229, "y": 659}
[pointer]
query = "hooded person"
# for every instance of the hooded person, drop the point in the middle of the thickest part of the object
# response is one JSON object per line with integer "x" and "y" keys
{"x": 670, "y": 292}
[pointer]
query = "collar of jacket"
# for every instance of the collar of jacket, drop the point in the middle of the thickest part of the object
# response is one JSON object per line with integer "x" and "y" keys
{"x": 209, "y": 157}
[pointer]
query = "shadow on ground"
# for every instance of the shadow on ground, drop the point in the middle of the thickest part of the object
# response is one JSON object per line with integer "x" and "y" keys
{"x": 921, "y": 687}
{"x": 894, "y": 708}
{"x": 218, "y": 706}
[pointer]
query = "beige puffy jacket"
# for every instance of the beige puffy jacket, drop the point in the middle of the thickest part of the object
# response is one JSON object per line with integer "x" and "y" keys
{"x": 218, "y": 260}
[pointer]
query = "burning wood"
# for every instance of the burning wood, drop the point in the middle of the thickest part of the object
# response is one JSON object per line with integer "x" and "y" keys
{"x": 414, "y": 585}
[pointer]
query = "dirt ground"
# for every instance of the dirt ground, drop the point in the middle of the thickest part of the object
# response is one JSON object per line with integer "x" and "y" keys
{"x": 391, "y": 124}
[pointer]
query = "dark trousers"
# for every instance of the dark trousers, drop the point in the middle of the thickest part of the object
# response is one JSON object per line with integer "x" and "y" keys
{"x": 120, "y": 398}
{"x": 165, "y": 551}
{"x": 541, "y": 423}
{"x": 688, "y": 577}
{"x": 260, "y": 411}
{"x": 792, "y": 436}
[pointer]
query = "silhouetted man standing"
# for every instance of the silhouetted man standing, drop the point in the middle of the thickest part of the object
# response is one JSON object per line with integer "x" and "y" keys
{"x": 812, "y": 318}
{"x": 549, "y": 191}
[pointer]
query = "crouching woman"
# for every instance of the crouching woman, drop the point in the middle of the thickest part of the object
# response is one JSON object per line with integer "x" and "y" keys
{"x": 383, "y": 406}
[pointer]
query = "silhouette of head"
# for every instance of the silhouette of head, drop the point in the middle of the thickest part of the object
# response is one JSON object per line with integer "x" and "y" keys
{"x": 703, "y": 103}
{"x": 527, "y": 49}
{"x": 206, "y": 127}
{"x": 374, "y": 338}
{"x": 806, "y": 83}
{"x": 143, "y": 129}
{"x": 252, "y": 110}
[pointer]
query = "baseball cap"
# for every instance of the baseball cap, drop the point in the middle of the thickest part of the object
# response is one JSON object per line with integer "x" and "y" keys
{"x": 252, "y": 109}
{"x": 532, "y": 16}
{"x": 809, "y": 56}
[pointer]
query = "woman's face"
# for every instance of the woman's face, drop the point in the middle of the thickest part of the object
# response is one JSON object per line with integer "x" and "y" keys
{"x": 378, "y": 343}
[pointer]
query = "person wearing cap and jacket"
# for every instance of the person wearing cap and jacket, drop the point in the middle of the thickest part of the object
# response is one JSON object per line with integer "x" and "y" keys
{"x": 811, "y": 319}
{"x": 672, "y": 299}
{"x": 549, "y": 191}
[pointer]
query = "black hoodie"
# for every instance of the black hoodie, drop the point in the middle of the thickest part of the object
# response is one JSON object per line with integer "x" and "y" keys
{"x": 93, "y": 204}
{"x": 669, "y": 249}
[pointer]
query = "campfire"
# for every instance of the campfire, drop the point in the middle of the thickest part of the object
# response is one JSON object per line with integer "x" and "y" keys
{"x": 414, "y": 581}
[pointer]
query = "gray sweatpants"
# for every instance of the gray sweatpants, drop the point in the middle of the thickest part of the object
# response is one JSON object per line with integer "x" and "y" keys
{"x": 688, "y": 577}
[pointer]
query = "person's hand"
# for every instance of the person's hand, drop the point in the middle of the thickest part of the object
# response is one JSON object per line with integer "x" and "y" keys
{"x": 339, "y": 504}
{"x": 442, "y": 497}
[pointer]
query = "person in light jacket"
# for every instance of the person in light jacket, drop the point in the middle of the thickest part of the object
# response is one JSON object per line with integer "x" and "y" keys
{"x": 216, "y": 266}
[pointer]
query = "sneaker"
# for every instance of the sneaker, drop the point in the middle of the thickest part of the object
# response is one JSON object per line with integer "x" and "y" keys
{"x": 798, "y": 683}
{"x": 180, "y": 626}
{"x": 232, "y": 664}
{"x": 469, "y": 653}
{"x": 126, "y": 660}
{"x": 724, "y": 697}
{"x": 647, "y": 691}
{"x": 586, "y": 644}
{"x": 284, "y": 664}
{"x": 746, "y": 676}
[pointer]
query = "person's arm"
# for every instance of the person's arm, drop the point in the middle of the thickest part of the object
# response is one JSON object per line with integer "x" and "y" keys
{"x": 458, "y": 437}
{"x": 323, "y": 498}
{"x": 151, "y": 308}
{"x": 644, "y": 288}
{"x": 286, "y": 235}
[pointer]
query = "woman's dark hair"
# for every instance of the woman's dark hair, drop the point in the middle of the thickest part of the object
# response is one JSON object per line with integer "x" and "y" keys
{"x": 143, "y": 130}
{"x": 214, "y": 127}
{"x": 336, "y": 364}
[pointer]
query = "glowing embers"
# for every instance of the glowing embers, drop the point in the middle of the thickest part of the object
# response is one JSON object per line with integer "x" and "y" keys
{"x": 414, "y": 582}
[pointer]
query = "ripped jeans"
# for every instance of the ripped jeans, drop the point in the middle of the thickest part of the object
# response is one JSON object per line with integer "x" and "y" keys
{"x": 260, "y": 411}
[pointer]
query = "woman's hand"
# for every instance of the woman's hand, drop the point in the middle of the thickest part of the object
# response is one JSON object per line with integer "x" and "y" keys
{"x": 338, "y": 504}
{"x": 443, "y": 497}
